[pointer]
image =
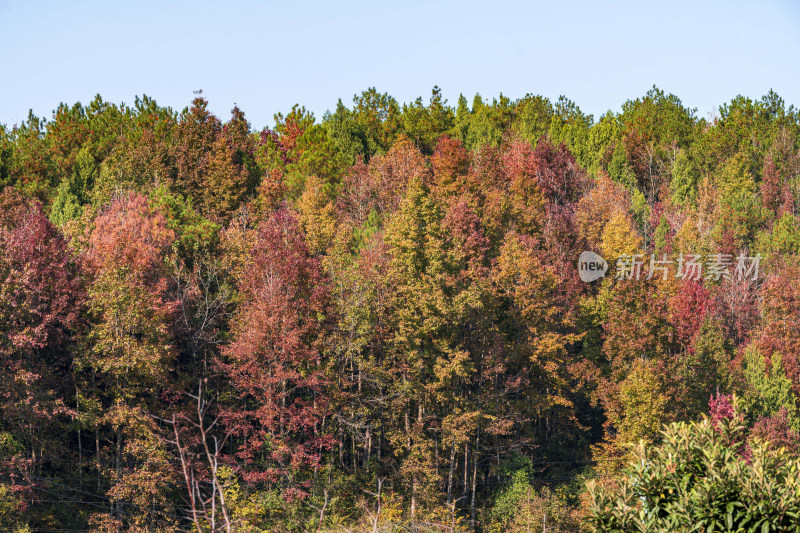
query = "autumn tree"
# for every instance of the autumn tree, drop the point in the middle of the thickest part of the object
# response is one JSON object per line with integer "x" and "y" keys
{"x": 43, "y": 310}
{"x": 420, "y": 306}
{"x": 275, "y": 361}
{"x": 128, "y": 354}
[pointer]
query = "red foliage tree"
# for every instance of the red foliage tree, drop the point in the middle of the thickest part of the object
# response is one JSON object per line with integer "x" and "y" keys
{"x": 359, "y": 195}
{"x": 557, "y": 173}
{"x": 780, "y": 331}
{"x": 688, "y": 308}
{"x": 274, "y": 361}
{"x": 41, "y": 304}
{"x": 469, "y": 242}
{"x": 450, "y": 162}
{"x": 43, "y": 296}
{"x": 777, "y": 430}
{"x": 736, "y": 305}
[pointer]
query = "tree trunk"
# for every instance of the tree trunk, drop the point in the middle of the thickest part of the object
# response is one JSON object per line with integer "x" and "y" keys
{"x": 118, "y": 465}
{"x": 466, "y": 468}
{"x": 474, "y": 480}
{"x": 97, "y": 457}
{"x": 450, "y": 473}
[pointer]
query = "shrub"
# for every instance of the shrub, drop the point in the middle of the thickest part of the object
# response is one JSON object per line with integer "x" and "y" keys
{"x": 703, "y": 477}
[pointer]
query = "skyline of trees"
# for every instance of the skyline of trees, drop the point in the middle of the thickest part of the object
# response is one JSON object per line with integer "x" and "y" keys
{"x": 375, "y": 320}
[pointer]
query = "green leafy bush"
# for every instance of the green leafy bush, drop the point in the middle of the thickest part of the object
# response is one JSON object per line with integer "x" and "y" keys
{"x": 702, "y": 478}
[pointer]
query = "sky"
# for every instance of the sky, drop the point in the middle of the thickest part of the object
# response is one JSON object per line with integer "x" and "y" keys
{"x": 267, "y": 56}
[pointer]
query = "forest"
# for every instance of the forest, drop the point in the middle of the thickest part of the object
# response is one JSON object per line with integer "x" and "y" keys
{"x": 374, "y": 320}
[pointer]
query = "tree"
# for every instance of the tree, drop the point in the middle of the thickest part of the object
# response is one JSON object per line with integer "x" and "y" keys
{"x": 418, "y": 270}
{"x": 378, "y": 115}
{"x": 557, "y": 173}
{"x": 450, "y": 164}
{"x": 638, "y": 348}
{"x": 485, "y": 124}
{"x": 128, "y": 354}
{"x": 619, "y": 238}
{"x": 769, "y": 391}
{"x": 527, "y": 202}
{"x": 317, "y": 215}
{"x": 539, "y": 328}
{"x": 42, "y": 309}
{"x": 369, "y": 129}
{"x": 779, "y": 311}
{"x": 195, "y": 137}
{"x": 642, "y": 405}
{"x": 520, "y": 507}
{"x": 570, "y": 126}
{"x": 275, "y": 363}
{"x": 595, "y": 209}
{"x": 144, "y": 154}
{"x": 532, "y": 117}
{"x": 75, "y": 191}
{"x": 216, "y": 165}
{"x": 425, "y": 124}
{"x": 131, "y": 306}
{"x": 684, "y": 180}
{"x": 770, "y": 185}
{"x": 32, "y": 165}
{"x": 783, "y": 239}
{"x": 227, "y": 181}
{"x": 395, "y": 171}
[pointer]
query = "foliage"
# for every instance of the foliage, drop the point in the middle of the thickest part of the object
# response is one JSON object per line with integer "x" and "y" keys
{"x": 697, "y": 480}
{"x": 520, "y": 507}
{"x": 374, "y": 321}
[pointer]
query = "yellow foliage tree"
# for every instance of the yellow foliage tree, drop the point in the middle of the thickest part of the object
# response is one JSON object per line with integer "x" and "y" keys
{"x": 642, "y": 405}
{"x": 619, "y": 238}
{"x": 317, "y": 215}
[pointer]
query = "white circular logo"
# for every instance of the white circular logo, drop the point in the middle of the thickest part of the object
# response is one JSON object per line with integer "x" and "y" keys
{"x": 591, "y": 266}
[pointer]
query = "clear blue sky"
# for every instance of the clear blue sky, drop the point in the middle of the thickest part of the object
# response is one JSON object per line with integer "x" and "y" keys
{"x": 267, "y": 56}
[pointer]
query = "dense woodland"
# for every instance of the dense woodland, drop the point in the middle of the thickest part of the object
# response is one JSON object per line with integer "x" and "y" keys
{"x": 374, "y": 321}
